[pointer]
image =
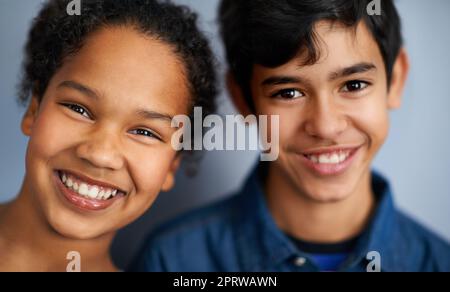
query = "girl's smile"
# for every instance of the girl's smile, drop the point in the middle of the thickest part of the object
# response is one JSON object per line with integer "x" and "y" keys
{"x": 86, "y": 193}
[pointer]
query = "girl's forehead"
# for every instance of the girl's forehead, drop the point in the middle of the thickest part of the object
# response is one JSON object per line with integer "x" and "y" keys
{"x": 124, "y": 65}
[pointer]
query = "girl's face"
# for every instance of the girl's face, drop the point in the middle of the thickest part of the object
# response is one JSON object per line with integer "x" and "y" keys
{"x": 100, "y": 140}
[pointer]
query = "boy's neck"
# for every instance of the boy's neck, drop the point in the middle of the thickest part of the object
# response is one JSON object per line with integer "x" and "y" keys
{"x": 28, "y": 243}
{"x": 315, "y": 221}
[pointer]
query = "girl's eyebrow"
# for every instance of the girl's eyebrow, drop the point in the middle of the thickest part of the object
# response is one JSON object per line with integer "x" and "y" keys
{"x": 80, "y": 87}
{"x": 143, "y": 113}
{"x": 152, "y": 115}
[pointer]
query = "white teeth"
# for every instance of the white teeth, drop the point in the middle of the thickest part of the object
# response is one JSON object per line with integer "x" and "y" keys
{"x": 93, "y": 192}
{"x": 83, "y": 190}
{"x": 100, "y": 195}
{"x": 333, "y": 158}
{"x": 323, "y": 159}
{"x": 87, "y": 190}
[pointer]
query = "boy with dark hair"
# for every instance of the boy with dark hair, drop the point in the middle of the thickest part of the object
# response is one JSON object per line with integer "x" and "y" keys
{"x": 331, "y": 72}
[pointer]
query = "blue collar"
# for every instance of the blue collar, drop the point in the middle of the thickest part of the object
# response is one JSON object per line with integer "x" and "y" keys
{"x": 266, "y": 245}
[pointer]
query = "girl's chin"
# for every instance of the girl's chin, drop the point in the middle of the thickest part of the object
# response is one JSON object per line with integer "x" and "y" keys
{"x": 76, "y": 229}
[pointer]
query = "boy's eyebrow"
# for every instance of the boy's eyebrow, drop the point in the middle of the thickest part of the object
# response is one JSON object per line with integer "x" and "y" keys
{"x": 354, "y": 69}
{"x": 79, "y": 87}
{"x": 280, "y": 80}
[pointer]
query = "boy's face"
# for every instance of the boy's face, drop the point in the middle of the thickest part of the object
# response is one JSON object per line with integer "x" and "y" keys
{"x": 333, "y": 114}
{"x": 105, "y": 124}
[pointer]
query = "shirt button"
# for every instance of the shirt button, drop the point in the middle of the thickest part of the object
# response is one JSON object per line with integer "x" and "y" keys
{"x": 300, "y": 261}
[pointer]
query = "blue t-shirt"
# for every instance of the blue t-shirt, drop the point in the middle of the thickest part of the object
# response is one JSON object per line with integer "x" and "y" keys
{"x": 328, "y": 257}
{"x": 239, "y": 234}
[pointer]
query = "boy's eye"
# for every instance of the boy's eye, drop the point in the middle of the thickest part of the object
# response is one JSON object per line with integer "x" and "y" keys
{"x": 288, "y": 94}
{"x": 78, "y": 109}
{"x": 355, "y": 85}
{"x": 144, "y": 132}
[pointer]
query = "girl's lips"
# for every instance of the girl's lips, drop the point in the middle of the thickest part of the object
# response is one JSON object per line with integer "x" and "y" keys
{"x": 328, "y": 169}
{"x": 82, "y": 203}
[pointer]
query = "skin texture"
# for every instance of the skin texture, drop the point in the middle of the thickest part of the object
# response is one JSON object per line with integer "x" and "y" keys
{"x": 90, "y": 121}
{"x": 320, "y": 108}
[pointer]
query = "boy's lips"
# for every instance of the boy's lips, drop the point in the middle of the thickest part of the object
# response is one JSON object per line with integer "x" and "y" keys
{"x": 85, "y": 193}
{"x": 330, "y": 160}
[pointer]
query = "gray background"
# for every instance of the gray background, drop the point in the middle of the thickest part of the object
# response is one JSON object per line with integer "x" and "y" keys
{"x": 415, "y": 156}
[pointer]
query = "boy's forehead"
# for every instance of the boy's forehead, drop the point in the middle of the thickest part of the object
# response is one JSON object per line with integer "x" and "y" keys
{"x": 337, "y": 46}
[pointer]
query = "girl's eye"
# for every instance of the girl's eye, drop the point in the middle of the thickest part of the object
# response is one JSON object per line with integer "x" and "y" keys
{"x": 144, "y": 132}
{"x": 78, "y": 109}
{"x": 355, "y": 85}
{"x": 288, "y": 94}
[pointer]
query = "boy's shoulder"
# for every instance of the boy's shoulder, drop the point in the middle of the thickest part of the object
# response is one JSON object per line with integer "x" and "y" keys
{"x": 208, "y": 217}
{"x": 421, "y": 245}
{"x": 188, "y": 242}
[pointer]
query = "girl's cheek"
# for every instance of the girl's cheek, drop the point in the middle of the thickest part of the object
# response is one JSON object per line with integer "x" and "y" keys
{"x": 150, "y": 170}
{"x": 51, "y": 133}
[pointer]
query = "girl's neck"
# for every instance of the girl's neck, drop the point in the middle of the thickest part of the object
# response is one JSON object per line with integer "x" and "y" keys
{"x": 29, "y": 243}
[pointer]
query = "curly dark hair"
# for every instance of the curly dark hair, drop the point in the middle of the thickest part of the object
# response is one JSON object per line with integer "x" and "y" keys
{"x": 55, "y": 35}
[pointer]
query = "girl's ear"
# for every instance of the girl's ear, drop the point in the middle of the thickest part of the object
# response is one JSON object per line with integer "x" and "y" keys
{"x": 30, "y": 116}
{"x": 399, "y": 75}
{"x": 170, "y": 178}
{"x": 237, "y": 95}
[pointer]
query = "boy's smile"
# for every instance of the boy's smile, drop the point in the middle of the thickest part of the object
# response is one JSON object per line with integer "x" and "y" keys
{"x": 329, "y": 160}
{"x": 99, "y": 150}
{"x": 333, "y": 114}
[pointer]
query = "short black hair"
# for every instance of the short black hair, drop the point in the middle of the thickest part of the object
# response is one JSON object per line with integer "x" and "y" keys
{"x": 55, "y": 35}
{"x": 271, "y": 32}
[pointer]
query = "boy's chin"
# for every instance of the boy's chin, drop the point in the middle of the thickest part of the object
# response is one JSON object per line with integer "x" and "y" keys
{"x": 322, "y": 194}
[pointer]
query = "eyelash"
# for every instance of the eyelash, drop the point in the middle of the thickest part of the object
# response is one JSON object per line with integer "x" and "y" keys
{"x": 364, "y": 84}
{"x": 78, "y": 109}
{"x": 85, "y": 113}
{"x": 287, "y": 90}
{"x": 146, "y": 133}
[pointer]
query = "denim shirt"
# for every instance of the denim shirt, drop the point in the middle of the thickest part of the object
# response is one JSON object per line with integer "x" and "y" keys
{"x": 239, "y": 234}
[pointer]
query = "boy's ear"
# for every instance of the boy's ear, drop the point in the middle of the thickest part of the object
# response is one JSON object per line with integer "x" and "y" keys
{"x": 30, "y": 116}
{"x": 170, "y": 178}
{"x": 237, "y": 95}
{"x": 399, "y": 75}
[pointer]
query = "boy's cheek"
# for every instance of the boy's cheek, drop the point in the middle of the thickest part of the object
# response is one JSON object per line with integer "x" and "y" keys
{"x": 373, "y": 119}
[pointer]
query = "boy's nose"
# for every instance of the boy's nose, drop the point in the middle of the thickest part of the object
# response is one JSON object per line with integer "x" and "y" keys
{"x": 102, "y": 151}
{"x": 325, "y": 120}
